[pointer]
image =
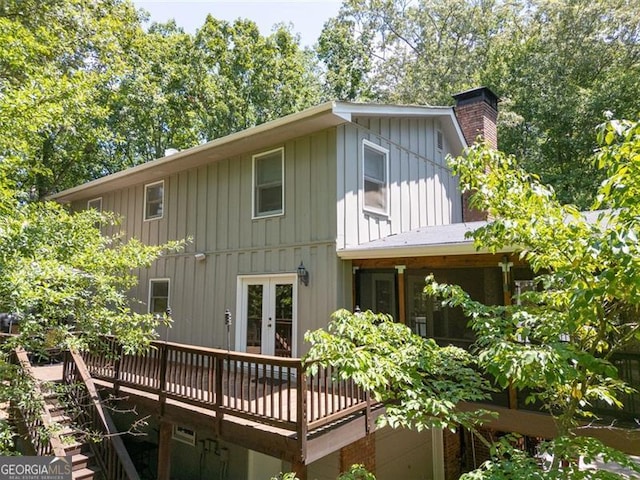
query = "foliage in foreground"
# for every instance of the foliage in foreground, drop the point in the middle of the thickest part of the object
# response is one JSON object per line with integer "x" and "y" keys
{"x": 356, "y": 472}
{"x": 558, "y": 344}
{"x": 418, "y": 381}
{"x": 65, "y": 284}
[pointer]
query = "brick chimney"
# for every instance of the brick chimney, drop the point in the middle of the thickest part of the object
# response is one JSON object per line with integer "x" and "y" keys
{"x": 477, "y": 114}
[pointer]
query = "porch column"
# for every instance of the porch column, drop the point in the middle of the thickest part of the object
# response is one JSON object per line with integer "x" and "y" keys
{"x": 402, "y": 309}
{"x": 506, "y": 265}
{"x": 164, "y": 450}
{"x": 354, "y": 293}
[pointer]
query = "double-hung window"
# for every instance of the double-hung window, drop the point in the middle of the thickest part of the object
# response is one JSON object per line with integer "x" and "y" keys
{"x": 375, "y": 169}
{"x": 158, "y": 295}
{"x": 268, "y": 183}
{"x": 154, "y": 200}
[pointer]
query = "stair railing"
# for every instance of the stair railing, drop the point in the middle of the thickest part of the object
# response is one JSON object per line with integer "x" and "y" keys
{"x": 41, "y": 430}
{"x": 109, "y": 449}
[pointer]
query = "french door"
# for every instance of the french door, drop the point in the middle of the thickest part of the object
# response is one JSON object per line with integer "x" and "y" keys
{"x": 267, "y": 322}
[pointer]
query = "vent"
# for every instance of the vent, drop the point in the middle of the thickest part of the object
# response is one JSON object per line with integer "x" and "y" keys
{"x": 439, "y": 140}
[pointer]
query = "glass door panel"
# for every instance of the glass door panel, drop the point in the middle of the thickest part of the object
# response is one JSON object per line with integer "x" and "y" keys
{"x": 283, "y": 338}
{"x": 254, "y": 318}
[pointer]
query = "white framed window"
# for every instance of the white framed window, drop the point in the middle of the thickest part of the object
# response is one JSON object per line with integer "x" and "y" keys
{"x": 375, "y": 170}
{"x": 184, "y": 434}
{"x": 158, "y": 295}
{"x": 95, "y": 203}
{"x": 268, "y": 183}
{"x": 154, "y": 200}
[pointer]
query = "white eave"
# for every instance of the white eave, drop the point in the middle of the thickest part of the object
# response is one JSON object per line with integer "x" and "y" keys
{"x": 320, "y": 117}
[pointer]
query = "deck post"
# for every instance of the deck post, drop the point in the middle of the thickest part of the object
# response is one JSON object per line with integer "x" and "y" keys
{"x": 116, "y": 371}
{"x": 164, "y": 360}
{"x": 301, "y": 415}
{"x": 218, "y": 371}
{"x": 300, "y": 469}
{"x": 164, "y": 450}
{"x": 367, "y": 413}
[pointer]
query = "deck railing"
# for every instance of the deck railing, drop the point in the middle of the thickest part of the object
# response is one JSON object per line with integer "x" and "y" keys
{"x": 41, "y": 430}
{"x": 108, "y": 447}
{"x": 266, "y": 389}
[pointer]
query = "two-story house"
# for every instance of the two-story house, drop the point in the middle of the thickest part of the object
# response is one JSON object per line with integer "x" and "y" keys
{"x": 339, "y": 205}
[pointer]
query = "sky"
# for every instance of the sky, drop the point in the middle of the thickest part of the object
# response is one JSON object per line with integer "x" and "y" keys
{"x": 307, "y": 16}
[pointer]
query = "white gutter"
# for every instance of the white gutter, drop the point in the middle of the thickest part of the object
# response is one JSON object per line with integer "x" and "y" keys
{"x": 466, "y": 248}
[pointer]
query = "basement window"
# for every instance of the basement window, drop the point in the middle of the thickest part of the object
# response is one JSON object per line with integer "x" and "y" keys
{"x": 154, "y": 200}
{"x": 375, "y": 160}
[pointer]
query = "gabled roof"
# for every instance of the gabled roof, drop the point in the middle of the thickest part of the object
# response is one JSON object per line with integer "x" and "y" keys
{"x": 311, "y": 120}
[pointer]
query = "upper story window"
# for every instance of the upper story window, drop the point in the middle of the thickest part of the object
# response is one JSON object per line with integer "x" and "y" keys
{"x": 158, "y": 295}
{"x": 153, "y": 200}
{"x": 268, "y": 183}
{"x": 95, "y": 203}
{"x": 375, "y": 169}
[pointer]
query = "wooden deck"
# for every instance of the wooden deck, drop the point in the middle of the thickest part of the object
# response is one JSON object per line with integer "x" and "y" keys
{"x": 289, "y": 414}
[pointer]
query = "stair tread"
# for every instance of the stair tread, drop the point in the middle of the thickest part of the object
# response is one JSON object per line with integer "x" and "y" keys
{"x": 86, "y": 472}
{"x": 81, "y": 456}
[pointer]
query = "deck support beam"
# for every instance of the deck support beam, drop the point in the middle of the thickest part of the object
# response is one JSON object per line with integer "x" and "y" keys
{"x": 164, "y": 450}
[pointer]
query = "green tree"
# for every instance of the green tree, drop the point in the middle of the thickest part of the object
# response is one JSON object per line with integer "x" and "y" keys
{"x": 242, "y": 79}
{"x": 151, "y": 106}
{"x": 559, "y": 342}
{"x": 67, "y": 286}
{"x": 58, "y": 59}
{"x": 409, "y": 51}
{"x": 558, "y": 66}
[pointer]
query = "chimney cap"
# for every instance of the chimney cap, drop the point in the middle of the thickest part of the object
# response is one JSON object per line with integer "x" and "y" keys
{"x": 477, "y": 94}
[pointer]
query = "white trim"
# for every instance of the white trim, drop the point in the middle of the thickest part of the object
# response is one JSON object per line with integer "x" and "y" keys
{"x": 159, "y": 279}
{"x": 415, "y": 251}
{"x": 254, "y": 215}
{"x": 437, "y": 452}
{"x": 94, "y": 200}
{"x": 241, "y": 306}
{"x": 378, "y": 148}
{"x": 144, "y": 204}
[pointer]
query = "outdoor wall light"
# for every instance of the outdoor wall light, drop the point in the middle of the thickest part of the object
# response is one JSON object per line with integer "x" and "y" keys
{"x": 201, "y": 257}
{"x": 303, "y": 275}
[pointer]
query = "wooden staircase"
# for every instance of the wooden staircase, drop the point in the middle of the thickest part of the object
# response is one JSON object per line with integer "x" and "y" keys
{"x": 74, "y": 442}
{"x": 74, "y": 419}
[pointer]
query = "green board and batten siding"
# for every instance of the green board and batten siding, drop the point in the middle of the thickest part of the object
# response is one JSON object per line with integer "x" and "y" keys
{"x": 323, "y": 211}
{"x": 423, "y": 192}
{"x": 211, "y": 204}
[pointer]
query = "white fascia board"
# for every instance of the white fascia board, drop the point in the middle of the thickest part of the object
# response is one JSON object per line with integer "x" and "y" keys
{"x": 414, "y": 251}
{"x": 347, "y": 110}
{"x": 381, "y": 110}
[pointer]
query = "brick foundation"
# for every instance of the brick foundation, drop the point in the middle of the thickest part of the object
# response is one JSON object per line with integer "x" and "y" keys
{"x": 362, "y": 451}
{"x": 452, "y": 455}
